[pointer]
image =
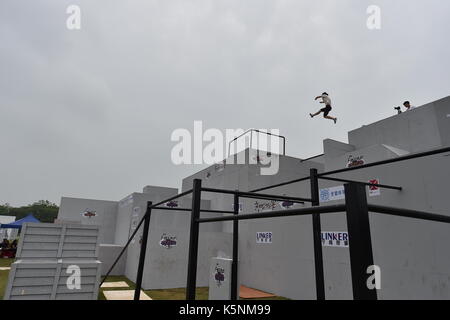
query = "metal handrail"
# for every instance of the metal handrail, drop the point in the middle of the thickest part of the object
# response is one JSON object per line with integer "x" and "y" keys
{"x": 251, "y": 139}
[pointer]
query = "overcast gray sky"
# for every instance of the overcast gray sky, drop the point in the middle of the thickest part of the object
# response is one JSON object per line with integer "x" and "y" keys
{"x": 89, "y": 113}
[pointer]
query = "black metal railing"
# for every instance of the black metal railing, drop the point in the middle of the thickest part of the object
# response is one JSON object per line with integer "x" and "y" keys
{"x": 356, "y": 208}
{"x": 251, "y": 139}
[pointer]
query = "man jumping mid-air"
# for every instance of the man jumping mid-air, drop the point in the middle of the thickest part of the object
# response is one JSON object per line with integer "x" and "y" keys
{"x": 327, "y": 101}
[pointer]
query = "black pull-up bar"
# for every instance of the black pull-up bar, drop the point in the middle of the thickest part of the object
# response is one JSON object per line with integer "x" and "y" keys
{"x": 363, "y": 183}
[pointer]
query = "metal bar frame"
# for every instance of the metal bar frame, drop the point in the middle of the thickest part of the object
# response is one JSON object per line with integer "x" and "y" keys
{"x": 393, "y": 160}
{"x": 140, "y": 271}
{"x": 279, "y": 213}
{"x": 317, "y": 237}
{"x": 360, "y": 242}
{"x": 136, "y": 230}
{"x": 234, "y": 264}
{"x": 193, "y": 241}
{"x": 407, "y": 213}
{"x": 373, "y": 164}
{"x": 354, "y": 191}
{"x": 187, "y": 209}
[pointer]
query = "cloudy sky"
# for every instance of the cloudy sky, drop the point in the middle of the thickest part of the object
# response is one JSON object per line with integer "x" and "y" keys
{"x": 89, "y": 112}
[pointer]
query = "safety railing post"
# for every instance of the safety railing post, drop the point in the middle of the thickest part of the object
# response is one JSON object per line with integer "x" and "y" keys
{"x": 140, "y": 271}
{"x": 317, "y": 236}
{"x": 234, "y": 263}
{"x": 193, "y": 240}
{"x": 360, "y": 243}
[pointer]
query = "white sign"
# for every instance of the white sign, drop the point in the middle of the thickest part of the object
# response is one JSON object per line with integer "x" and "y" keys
{"x": 373, "y": 190}
{"x": 355, "y": 161}
{"x": 332, "y": 194}
{"x": 168, "y": 241}
{"x": 338, "y": 193}
{"x": 89, "y": 213}
{"x": 264, "y": 237}
{"x": 335, "y": 239}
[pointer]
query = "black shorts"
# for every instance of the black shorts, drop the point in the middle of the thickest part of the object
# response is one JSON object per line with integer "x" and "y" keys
{"x": 326, "y": 110}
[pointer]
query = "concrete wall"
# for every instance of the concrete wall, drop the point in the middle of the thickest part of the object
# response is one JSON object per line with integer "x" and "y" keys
{"x": 71, "y": 209}
{"x": 167, "y": 267}
{"x": 411, "y": 254}
{"x": 423, "y": 128}
{"x": 107, "y": 254}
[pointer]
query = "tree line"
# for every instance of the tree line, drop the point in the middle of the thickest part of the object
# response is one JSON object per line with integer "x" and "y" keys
{"x": 43, "y": 210}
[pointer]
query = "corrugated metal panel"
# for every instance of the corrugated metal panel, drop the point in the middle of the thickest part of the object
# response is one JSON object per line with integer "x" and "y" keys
{"x": 47, "y": 254}
{"x": 48, "y": 280}
{"x": 31, "y": 280}
{"x": 47, "y": 241}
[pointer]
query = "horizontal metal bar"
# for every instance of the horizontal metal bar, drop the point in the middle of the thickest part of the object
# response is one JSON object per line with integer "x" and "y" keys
{"x": 187, "y": 209}
{"x": 172, "y": 198}
{"x": 172, "y": 209}
{"x": 409, "y": 213}
{"x": 281, "y": 184}
{"x": 217, "y": 211}
{"x": 256, "y": 195}
{"x": 364, "y": 183}
{"x": 279, "y": 213}
{"x": 275, "y": 199}
{"x": 407, "y": 157}
{"x": 403, "y": 158}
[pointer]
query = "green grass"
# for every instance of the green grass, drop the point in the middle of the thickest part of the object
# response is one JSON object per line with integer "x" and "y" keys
{"x": 6, "y": 262}
{"x": 4, "y": 275}
{"x": 161, "y": 294}
{"x": 167, "y": 294}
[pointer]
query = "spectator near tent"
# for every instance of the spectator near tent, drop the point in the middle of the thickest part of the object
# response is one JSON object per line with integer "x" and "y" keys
{"x": 9, "y": 250}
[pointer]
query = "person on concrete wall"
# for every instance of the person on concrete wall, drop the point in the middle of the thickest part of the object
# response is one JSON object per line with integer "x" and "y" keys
{"x": 408, "y": 106}
{"x": 327, "y": 101}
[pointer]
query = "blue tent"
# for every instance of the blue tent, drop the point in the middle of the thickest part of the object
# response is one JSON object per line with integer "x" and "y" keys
{"x": 18, "y": 223}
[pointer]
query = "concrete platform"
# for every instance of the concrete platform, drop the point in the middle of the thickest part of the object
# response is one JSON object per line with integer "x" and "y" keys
{"x": 124, "y": 295}
{"x": 117, "y": 284}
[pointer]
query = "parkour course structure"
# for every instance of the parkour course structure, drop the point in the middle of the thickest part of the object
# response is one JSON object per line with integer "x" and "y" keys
{"x": 356, "y": 208}
{"x": 397, "y": 169}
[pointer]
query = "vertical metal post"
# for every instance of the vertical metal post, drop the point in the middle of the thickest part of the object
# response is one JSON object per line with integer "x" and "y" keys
{"x": 234, "y": 263}
{"x": 360, "y": 242}
{"x": 317, "y": 236}
{"x": 193, "y": 241}
{"x": 140, "y": 271}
